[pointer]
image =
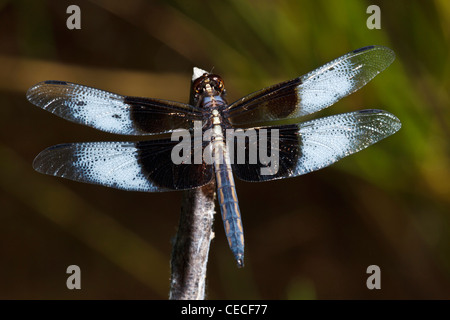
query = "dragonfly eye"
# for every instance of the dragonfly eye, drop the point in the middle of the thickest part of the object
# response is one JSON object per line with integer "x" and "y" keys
{"x": 199, "y": 83}
{"x": 218, "y": 83}
{"x": 199, "y": 89}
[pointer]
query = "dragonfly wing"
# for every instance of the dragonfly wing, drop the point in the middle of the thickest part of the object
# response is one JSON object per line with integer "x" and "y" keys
{"x": 111, "y": 112}
{"x": 318, "y": 143}
{"x": 134, "y": 166}
{"x": 314, "y": 91}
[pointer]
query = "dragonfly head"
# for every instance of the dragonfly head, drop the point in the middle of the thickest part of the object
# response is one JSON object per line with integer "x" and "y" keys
{"x": 209, "y": 84}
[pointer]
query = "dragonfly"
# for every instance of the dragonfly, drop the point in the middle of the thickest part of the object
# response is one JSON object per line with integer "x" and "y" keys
{"x": 274, "y": 113}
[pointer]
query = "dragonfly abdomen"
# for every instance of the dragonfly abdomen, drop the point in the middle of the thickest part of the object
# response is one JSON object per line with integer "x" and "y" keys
{"x": 229, "y": 207}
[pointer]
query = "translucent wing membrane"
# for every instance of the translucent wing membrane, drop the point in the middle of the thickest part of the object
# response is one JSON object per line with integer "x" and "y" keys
{"x": 111, "y": 112}
{"x": 134, "y": 166}
{"x": 316, "y": 144}
{"x": 313, "y": 91}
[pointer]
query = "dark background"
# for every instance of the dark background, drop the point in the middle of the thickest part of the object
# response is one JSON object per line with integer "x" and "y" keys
{"x": 311, "y": 237}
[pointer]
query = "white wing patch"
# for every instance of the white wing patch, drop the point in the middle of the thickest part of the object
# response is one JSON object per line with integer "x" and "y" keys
{"x": 325, "y": 87}
{"x": 100, "y": 109}
{"x": 114, "y": 164}
{"x": 326, "y": 140}
{"x": 331, "y": 82}
{"x": 89, "y": 106}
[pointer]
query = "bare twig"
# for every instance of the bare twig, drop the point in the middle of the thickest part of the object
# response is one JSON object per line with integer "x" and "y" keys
{"x": 190, "y": 252}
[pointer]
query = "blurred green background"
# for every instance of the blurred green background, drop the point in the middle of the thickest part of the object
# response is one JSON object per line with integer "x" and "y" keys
{"x": 311, "y": 237}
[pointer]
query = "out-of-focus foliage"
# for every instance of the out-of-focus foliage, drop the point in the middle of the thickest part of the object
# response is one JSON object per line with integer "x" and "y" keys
{"x": 309, "y": 237}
